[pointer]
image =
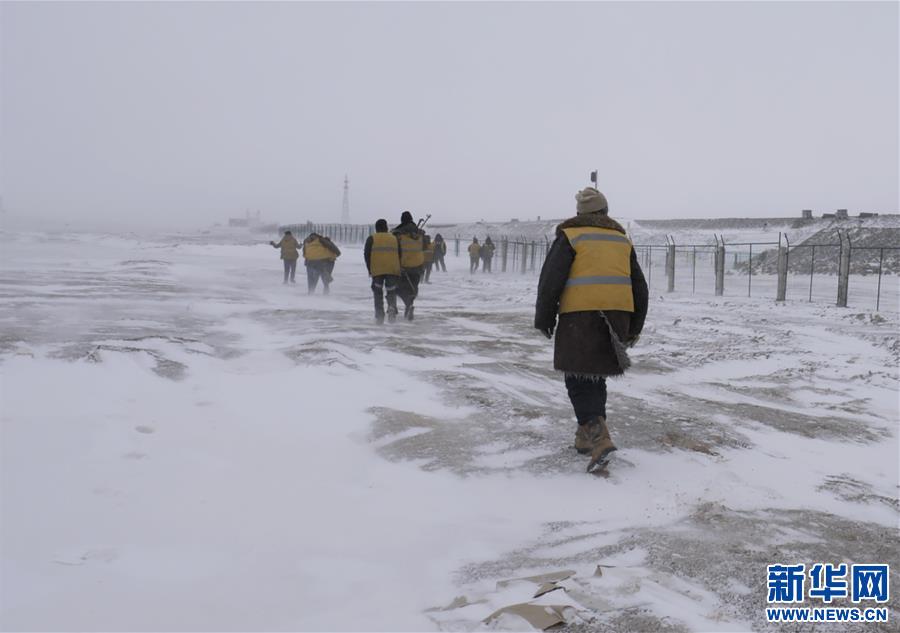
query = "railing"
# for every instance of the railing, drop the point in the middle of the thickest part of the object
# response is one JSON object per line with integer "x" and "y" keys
{"x": 340, "y": 233}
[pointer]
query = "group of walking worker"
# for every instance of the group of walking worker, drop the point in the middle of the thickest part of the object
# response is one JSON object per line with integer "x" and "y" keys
{"x": 319, "y": 255}
{"x": 483, "y": 253}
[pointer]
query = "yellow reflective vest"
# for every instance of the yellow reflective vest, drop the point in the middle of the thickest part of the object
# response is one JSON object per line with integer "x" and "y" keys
{"x": 315, "y": 250}
{"x": 411, "y": 253}
{"x": 385, "y": 259}
{"x": 429, "y": 253}
{"x": 600, "y": 276}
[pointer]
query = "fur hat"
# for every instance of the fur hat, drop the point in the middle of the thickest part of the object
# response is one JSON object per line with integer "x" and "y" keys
{"x": 591, "y": 201}
{"x": 405, "y": 217}
{"x": 381, "y": 225}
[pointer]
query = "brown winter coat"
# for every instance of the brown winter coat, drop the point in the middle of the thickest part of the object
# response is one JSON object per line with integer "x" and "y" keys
{"x": 288, "y": 246}
{"x": 584, "y": 345}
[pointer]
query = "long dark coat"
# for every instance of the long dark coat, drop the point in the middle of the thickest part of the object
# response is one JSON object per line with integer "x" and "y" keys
{"x": 584, "y": 344}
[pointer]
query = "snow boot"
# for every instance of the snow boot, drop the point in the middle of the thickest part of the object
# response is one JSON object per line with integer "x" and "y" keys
{"x": 408, "y": 313}
{"x": 583, "y": 443}
{"x": 602, "y": 445}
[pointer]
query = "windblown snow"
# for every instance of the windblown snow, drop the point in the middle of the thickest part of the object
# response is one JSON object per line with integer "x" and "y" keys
{"x": 187, "y": 444}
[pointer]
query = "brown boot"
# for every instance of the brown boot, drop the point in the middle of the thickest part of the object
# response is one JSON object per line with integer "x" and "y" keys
{"x": 602, "y": 445}
{"x": 583, "y": 442}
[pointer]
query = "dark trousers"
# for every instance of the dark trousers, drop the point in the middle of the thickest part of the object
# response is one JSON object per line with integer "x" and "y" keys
{"x": 588, "y": 396}
{"x": 290, "y": 268}
{"x": 473, "y": 264}
{"x": 408, "y": 288}
{"x": 428, "y": 266}
{"x": 381, "y": 285}
{"x": 319, "y": 268}
{"x": 486, "y": 265}
{"x": 439, "y": 262}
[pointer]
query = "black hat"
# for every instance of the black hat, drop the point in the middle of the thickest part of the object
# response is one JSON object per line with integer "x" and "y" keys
{"x": 381, "y": 225}
{"x": 405, "y": 217}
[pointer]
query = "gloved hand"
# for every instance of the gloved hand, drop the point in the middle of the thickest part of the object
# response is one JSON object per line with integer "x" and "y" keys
{"x": 547, "y": 331}
{"x": 631, "y": 342}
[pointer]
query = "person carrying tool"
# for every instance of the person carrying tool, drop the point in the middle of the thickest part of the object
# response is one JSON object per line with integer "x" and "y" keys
{"x": 412, "y": 260}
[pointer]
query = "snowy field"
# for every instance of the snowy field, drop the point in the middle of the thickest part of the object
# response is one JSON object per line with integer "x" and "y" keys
{"x": 189, "y": 445}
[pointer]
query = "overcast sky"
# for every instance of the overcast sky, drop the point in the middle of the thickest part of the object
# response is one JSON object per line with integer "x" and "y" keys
{"x": 188, "y": 113}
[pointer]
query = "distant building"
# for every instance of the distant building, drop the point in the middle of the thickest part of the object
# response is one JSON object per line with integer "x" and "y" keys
{"x": 807, "y": 214}
{"x": 247, "y": 220}
{"x": 868, "y": 215}
{"x": 841, "y": 214}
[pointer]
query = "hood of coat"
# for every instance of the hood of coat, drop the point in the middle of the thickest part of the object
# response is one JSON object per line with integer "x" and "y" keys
{"x": 597, "y": 220}
{"x": 409, "y": 229}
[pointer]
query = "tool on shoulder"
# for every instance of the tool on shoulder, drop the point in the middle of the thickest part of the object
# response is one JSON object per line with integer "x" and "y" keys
{"x": 423, "y": 221}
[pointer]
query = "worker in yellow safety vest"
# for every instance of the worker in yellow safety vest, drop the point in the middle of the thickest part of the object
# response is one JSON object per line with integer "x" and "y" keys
{"x": 382, "y": 255}
{"x": 429, "y": 257}
{"x": 474, "y": 255}
{"x": 289, "y": 254}
{"x": 412, "y": 261}
{"x": 319, "y": 253}
{"x": 592, "y": 280}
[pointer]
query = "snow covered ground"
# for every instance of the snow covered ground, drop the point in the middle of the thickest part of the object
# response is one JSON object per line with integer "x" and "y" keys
{"x": 189, "y": 445}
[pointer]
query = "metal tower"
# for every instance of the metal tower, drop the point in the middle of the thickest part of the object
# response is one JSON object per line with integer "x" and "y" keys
{"x": 345, "y": 211}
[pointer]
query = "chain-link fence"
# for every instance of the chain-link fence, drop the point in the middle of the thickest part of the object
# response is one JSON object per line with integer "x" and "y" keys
{"x": 840, "y": 271}
{"x": 777, "y": 270}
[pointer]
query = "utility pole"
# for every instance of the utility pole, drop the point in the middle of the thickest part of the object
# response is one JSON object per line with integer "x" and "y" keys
{"x": 345, "y": 211}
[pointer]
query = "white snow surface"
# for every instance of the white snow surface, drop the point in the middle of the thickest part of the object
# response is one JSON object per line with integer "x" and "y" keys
{"x": 188, "y": 444}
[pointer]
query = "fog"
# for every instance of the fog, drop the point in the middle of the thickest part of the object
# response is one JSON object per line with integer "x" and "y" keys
{"x": 183, "y": 114}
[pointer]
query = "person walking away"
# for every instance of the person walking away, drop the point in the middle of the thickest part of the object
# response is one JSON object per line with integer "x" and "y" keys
{"x": 412, "y": 259}
{"x": 592, "y": 280}
{"x": 289, "y": 254}
{"x": 474, "y": 254}
{"x": 319, "y": 254}
{"x": 487, "y": 254}
{"x": 440, "y": 250}
{"x": 382, "y": 255}
{"x": 428, "y": 251}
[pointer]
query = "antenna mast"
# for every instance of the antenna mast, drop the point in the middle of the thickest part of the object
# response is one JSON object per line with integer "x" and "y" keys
{"x": 345, "y": 211}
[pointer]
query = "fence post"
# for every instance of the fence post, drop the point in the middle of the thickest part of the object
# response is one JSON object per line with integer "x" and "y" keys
{"x": 524, "y": 257}
{"x": 504, "y": 248}
{"x": 781, "y": 292}
{"x": 750, "y": 270}
{"x": 457, "y": 245}
{"x": 670, "y": 265}
{"x": 880, "y": 267}
{"x": 694, "y": 270}
{"x": 720, "y": 268}
{"x": 843, "y": 273}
